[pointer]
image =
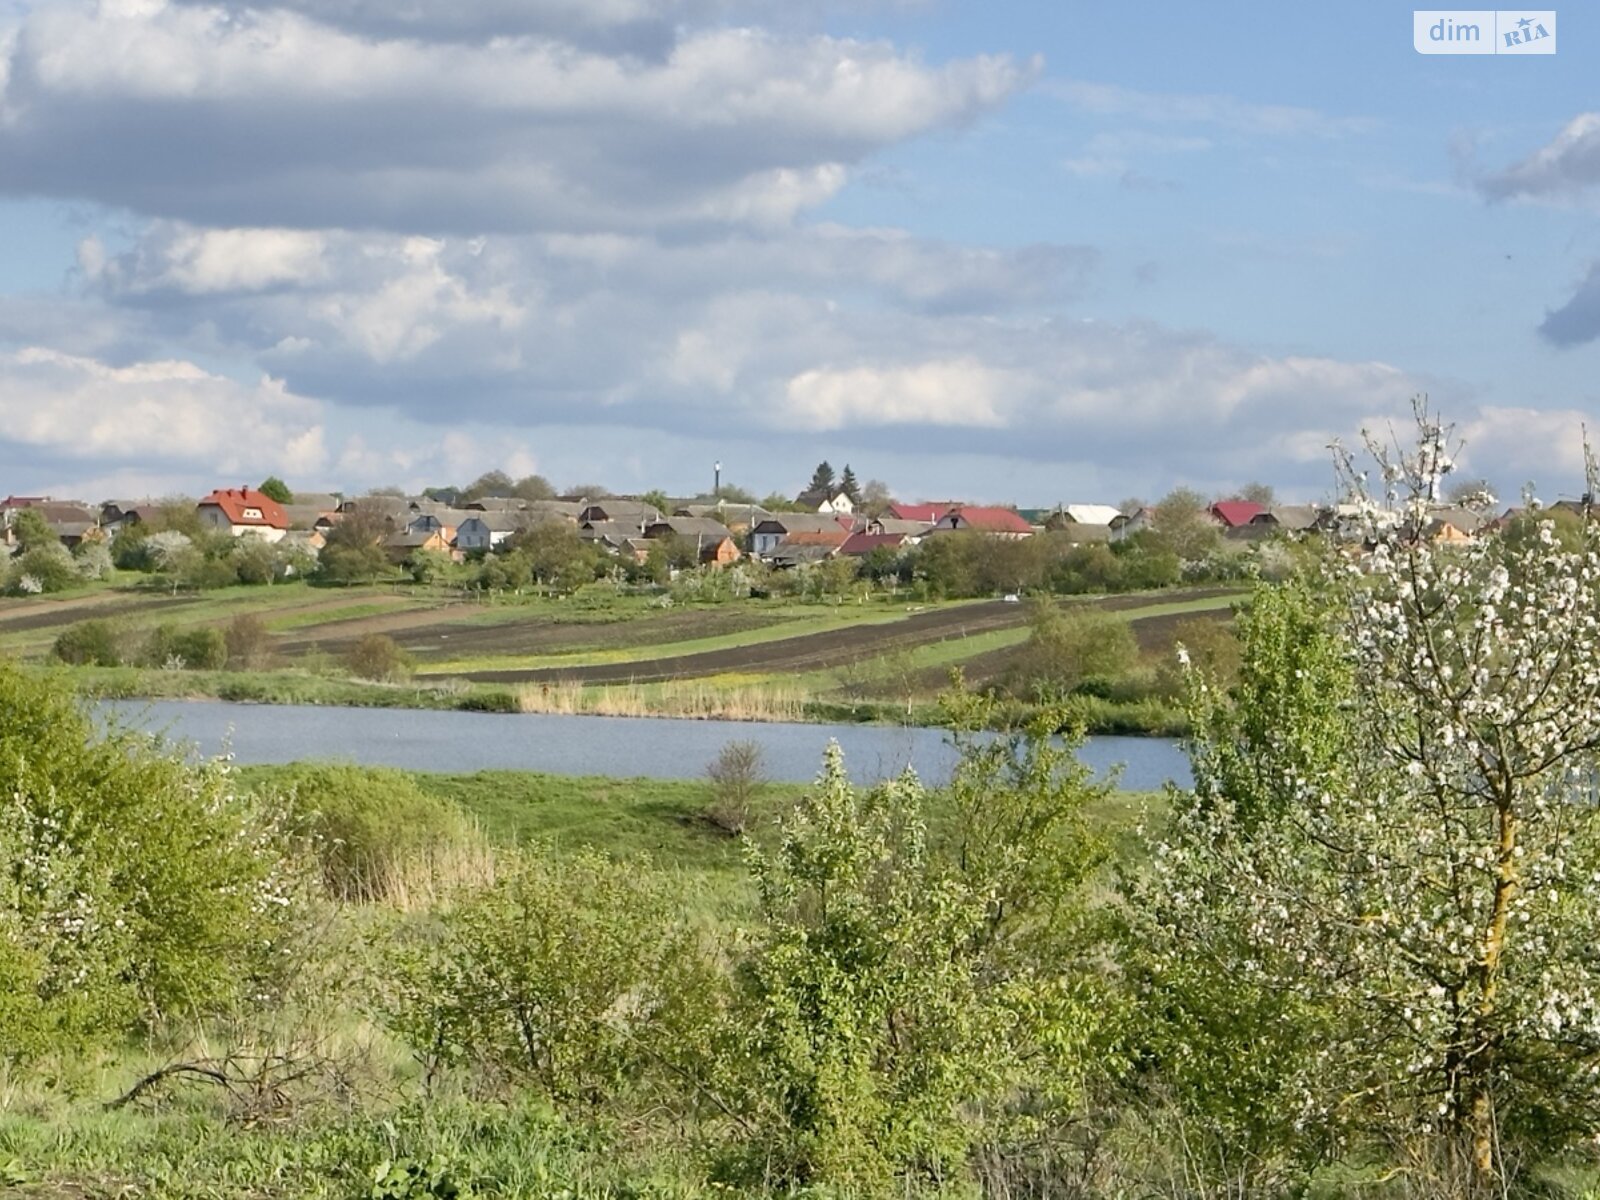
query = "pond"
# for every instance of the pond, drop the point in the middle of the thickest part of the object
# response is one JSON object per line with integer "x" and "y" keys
{"x": 657, "y": 748}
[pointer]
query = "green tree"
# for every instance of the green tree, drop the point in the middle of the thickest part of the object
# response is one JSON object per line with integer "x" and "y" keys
{"x": 1393, "y": 836}
{"x": 135, "y": 885}
{"x": 875, "y": 498}
{"x": 353, "y": 551}
{"x": 1258, "y": 493}
{"x": 30, "y": 530}
{"x": 533, "y": 487}
{"x": 1183, "y": 525}
{"x": 1070, "y": 648}
{"x": 490, "y": 483}
{"x": 276, "y": 489}
{"x": 822, "y": 478}
{"x": 849, "y": 486}
{"x": 906, "y": 992}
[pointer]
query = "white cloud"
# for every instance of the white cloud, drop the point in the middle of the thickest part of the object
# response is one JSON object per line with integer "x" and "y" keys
{"x": 1567, "y": 165}
{"x": 1227, "y": 112}
{"x": 252, "y": 117}
{"x": 163, "y": 411}
{"x": 959, "y": 392}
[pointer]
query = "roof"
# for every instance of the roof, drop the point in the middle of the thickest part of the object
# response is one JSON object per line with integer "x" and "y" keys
{"x": 866, "y": 543}
{"x": 987, "y": 520}
{"x": 65, "y": 512}
{"x": 817, "y": 497}
{"x": 234, "y": 501}
{"x": 919, "y": 512}
{"x": 496, "y": 522}
{"x": 1234, "y": 513}
{"x": 304, "y": 516}
{"x": 804, "y": 523}
{"x": 616, "y": 510}
{"x": 1289, "y": 516}
{"x": 23, "y": 501}
{"x": 816, "y": 537}
{"x": 1090, "y": 514}
{"x": 694, "y": 527}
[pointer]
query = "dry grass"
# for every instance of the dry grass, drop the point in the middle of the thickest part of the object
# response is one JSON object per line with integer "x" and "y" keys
{"x": 693, "y": 699}
{"x": 422, "y": 882}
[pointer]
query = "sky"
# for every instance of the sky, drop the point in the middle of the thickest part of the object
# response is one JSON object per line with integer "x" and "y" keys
{"x": 1017, "y": 252}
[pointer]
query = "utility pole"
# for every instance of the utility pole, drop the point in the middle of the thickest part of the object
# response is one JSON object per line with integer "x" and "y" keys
{"x": 716, "y": 484}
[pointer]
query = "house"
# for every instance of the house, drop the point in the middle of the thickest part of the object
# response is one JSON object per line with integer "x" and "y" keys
{"x": 395, "y": 510}
{"x": 244, "y": 512}
{"x": 739, "y": 518}
{"x": 1125, "y": 525}
{"x": 72, "y": 523}
{"x": 495, "y": 504}
{"x": 442, "y": 521}
{"x": 714, "y": 544}
{"x": 622, "y": 511}
{"x": 485, "y": 530}
{"x": 1231, "y": 514}
{"x": 1080, "y": 514}
{"x": 928, "y": 514}
{"x": 826, "y": 500}
{"x": 1290, "y": 518}
{"x": 808, "y": 547}
{"x": 402, "y": 545}
{"x": 995, "y": 522}
{"x": 554, "y": 510}
{"x": 863, "y": 542}
{"x": 1454, "y": 526}
{"x": 311, "y": 516}
{"x": 767, "y": 535}
{"x": 118, "y": 516}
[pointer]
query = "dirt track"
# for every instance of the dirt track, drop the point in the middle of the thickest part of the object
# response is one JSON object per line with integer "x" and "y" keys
{"x": 816, "y": 651}
{"x": 66, "y": 612}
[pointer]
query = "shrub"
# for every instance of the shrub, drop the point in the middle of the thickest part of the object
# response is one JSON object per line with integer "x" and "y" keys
{"x": 737, "y": 777}
{"x": 137, "y": 884}
{"x": 249, "y": 644}
{"x": 94, "y": 560}
{"x": 202, "y": 649}
{"x": 89, "y": 643}
{"x": 376, "y": 656}
{"x": 565, "y": 974}
{"x": 1077, "y": 649}
{"x": 367, "y": 825}
{"x": 50, "y": 567}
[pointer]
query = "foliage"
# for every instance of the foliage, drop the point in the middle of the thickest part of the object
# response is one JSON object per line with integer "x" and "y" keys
{"x": 1069, "y": 648}
{"x": 136, "y": 885}
{"x": 48, "y": 567}
{"x": 1184, "y": 526}
{"x": 822, "y": 478}
{"x": 894, "y": 1012}
{"x": 248, "y": 642}
{"x": 353, "y": 551}
{"x": 367, "y": 825}
{"x": 564, "y": 974}
{"x": 202, "y": 648}
{"x": 377, "y": 656}
{"x": 93, "y": 643}
{"x": 30, "y": 530}
{"x": 737, "y": 777}
{"x": 849, "y": 485}
{"x": 276, "y": 489}
{"x": 1394, "y": 840}
{"x": 94, "y": 560}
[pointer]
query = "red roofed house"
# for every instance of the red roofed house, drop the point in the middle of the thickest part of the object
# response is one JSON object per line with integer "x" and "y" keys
{"x": 996, "y": 522}
{"x": 1231, "y": 514}
{"x": 929, "y": 514}
{"x": 862, "y": 543}
{"x": 243, "y": 511}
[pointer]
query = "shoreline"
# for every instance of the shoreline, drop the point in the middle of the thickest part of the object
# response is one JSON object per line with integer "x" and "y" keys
{"x": 1099, "y": 717}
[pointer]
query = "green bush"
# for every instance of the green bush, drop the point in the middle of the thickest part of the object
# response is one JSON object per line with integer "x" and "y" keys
{"x": 377, "y": 656}
{"x": 202, "y": 649}
{"x": 89, "y": 643}
{"x": 248, "y": 642}
{"x": 1078, "y": 649}
{"x": 572, "y": 975}
{"x": 135, "y": 885}
{"x": 367, "y": 824}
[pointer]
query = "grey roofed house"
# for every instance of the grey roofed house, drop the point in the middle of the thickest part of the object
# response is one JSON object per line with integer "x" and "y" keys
{"x": 787, "y": 556}
{"x": 1295, "y": 518}
{"x": 486, "y": 530}
{"x": 548, "y": 510}
{"x": 637, "y": 513}
{"x": 608, "y": 533}
{"x": 327, "y": 501}
{"x": 734, "y": 516}
{"x": 496, "y": 504}
{"x": 306, "y": 516}
{"x": 690, "y": 527}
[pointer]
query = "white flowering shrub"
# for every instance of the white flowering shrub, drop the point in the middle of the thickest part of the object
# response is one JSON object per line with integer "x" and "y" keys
{"x": 1377, "y": 914}
{"x": 133, "y": 884}
{"x": 94, "y": 560}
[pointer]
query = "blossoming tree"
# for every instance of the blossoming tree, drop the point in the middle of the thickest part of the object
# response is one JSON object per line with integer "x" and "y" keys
{"x": 1385, "y": 883}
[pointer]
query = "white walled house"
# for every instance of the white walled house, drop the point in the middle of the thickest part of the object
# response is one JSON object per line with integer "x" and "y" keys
{"x": 244, "y": 512}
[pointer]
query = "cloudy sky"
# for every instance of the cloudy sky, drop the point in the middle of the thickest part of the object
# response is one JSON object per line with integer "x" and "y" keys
{"x": 1019, "y": 251}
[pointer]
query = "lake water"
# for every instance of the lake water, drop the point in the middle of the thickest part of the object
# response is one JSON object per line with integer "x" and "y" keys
{"x": 460, "y": 742}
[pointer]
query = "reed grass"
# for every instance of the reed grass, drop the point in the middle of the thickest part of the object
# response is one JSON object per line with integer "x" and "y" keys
{"x": 685, "y": 699}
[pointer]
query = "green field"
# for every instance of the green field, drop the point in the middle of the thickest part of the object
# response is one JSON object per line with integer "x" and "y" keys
{"x": 599, "y": 650}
